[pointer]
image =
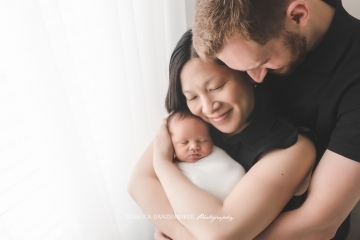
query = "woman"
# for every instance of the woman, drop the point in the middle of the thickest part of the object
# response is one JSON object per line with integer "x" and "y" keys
{"x": 277, "y": 156}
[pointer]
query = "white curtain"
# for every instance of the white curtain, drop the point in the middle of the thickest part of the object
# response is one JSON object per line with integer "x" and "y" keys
{"x": 82, "y": 88}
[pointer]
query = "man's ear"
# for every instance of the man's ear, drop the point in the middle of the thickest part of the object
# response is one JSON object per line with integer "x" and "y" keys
{"x": 298, "y": 14}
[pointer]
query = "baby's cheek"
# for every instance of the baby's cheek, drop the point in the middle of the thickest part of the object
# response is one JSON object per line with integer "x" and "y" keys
{"x": 175, "y": 150}
{"x": 208, "y": 148}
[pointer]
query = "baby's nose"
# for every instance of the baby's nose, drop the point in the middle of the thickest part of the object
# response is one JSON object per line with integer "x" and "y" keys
{"x": 194, "y": 146}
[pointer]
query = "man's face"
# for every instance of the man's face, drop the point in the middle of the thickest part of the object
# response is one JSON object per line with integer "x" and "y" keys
{"x": 279, "y": 56}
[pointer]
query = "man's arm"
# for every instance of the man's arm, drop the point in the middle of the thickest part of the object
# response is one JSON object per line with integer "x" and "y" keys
{"x": 334, "y": 191}
{"x": 145, "y": 188}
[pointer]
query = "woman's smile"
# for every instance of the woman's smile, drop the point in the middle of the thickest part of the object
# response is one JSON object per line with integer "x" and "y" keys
{"x": 220, "y": 118}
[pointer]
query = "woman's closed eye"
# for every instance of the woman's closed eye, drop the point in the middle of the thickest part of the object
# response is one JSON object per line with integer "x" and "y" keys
{"x": 217, "y": 88}
{"x": 191, "y": 99}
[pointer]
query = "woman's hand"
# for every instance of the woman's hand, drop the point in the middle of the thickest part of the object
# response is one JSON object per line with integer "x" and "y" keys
{"x": 160, "y": 236}
{"x": 163, "y": 148}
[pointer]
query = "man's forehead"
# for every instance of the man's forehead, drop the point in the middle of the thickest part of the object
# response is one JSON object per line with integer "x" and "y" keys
{"x": 243, "y": 55}
{"x": 245, "y": 47}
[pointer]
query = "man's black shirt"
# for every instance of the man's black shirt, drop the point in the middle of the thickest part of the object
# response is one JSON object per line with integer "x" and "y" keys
{"x": 323, "y": 93}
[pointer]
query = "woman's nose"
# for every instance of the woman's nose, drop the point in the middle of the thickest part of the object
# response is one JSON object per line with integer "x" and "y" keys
{"x": 208, "y": 106}
{"x": 258, "y": 74}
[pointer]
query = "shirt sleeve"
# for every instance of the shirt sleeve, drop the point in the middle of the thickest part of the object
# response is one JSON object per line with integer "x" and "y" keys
{"x": 345, "y": 138}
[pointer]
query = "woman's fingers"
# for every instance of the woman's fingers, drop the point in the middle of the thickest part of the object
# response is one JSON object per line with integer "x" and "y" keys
{"x": 163, "y": 147}
{"x": 160, "y": 236}
{"x": 164, "y": 131}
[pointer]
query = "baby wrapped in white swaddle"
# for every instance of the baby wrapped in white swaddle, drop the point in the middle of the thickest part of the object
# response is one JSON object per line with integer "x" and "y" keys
{"x": 216, "y": 173}
{"x": 207, "y": 166}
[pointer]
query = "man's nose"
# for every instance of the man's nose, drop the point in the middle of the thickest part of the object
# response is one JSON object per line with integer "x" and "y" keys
{"x": 258, "y": 74}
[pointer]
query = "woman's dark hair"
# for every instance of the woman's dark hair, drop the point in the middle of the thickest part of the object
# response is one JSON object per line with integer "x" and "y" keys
{"x": 182, "y": 114}
{"x": 183, "y": 52}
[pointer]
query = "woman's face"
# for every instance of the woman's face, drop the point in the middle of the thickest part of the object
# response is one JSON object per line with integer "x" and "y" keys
{"x": 219, "y": 95}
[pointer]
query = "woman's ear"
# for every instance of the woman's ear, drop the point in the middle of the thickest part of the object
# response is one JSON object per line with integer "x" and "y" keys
{"x": 298, "y": 14}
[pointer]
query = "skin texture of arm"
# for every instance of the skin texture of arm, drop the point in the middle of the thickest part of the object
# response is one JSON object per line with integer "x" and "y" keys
{"x": 334, "y": 191}
{"x": 145, "y": 188}
{"x": 254, "y": 202}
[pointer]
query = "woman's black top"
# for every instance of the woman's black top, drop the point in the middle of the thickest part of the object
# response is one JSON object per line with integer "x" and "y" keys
{"x": 267, "y": 131}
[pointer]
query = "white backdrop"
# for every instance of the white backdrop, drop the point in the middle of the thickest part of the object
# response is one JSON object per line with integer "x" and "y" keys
{"x": 82, "y": 88}
{"x": 353, "y": 7}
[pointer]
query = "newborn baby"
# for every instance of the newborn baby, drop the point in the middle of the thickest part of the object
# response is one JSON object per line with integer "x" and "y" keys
{"x": 205, "y": 164}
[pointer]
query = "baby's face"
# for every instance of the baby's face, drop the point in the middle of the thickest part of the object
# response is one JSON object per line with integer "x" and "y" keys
{"x": 191, "y": 139}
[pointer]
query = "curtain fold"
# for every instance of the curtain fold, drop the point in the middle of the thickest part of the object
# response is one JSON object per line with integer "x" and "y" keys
{"x": 82, "y": 89}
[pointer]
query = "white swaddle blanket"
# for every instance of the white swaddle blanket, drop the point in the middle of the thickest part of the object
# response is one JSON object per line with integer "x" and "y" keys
{"x": 217, "y": 173}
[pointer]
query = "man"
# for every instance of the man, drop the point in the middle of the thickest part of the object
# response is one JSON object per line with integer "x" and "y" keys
{"x": 308, "y": 52}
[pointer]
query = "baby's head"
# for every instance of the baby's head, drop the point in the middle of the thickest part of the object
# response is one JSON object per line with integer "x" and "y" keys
{"x": 190, "y": 136}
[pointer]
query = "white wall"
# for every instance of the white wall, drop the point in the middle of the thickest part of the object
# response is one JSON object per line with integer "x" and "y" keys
{"x": 353, "y": 7}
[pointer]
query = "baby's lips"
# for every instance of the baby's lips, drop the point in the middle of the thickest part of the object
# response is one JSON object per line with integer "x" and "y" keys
{"x": 194, "y": 156}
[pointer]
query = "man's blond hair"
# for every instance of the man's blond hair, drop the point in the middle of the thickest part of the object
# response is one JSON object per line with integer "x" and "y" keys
{"x": 216, "y": 21}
